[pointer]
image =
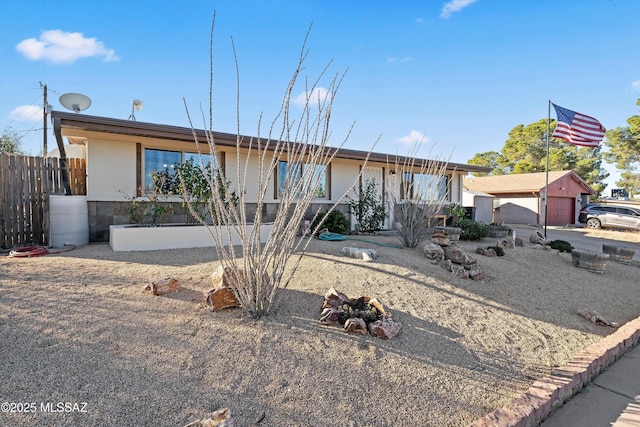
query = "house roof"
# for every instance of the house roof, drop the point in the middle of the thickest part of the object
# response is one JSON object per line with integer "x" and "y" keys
{"x": 142, "y": 129}
{"x": 477, "y": 193}
{"x": 520, "y": 183}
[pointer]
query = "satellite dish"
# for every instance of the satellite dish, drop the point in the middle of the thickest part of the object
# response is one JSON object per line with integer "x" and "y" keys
{"x": 75, "y": 101}
{"x": 136, "y": 104}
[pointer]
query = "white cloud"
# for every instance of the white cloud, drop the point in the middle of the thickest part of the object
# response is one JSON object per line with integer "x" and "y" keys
{"x": 405, "y": 59}
{"x": 317, "y": 96}
{"x": 420, "y": 20}
{"x": 636, "y": 84}
{"x": 414, "y": 137}
{"x": 454, "y": 6}
{"x": 27, "y": 113}
{"x": 61, "y": 47}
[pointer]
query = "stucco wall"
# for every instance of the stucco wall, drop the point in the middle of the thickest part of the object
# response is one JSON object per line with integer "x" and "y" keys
{"x": 111, "y": 180}
{"x": 111, "y": 169}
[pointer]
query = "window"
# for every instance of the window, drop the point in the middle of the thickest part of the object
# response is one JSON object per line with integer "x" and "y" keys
{"x": 159, "y": 161}
{"x": 424, "y": 187}
{"x": 319, "y": 175}
{"x": 163, "y": 161}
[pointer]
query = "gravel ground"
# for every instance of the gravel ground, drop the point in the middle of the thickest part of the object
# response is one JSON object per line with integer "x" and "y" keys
{"x": 77, "y": 328}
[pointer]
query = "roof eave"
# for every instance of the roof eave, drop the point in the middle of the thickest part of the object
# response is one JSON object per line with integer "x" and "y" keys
{"x": 182, "y": 134}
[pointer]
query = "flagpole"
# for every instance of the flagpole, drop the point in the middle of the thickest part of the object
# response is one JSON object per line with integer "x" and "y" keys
{"x": 546, "y": 186}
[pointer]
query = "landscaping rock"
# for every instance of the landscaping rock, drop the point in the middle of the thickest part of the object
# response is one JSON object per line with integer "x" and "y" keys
{"x": 486, "y": 251}
{"x": 518, "y": 242}
{"x": 386, "y": 328}
{"x": 161, "y": 286}
{"x": 222, "y": 295}
{"x": 441, "y": 241}
{"x": 221, "y": 298}
{"x": 597, "y": 318}
{"x": 460, "y": 271}
{"x": 446, "y": 264}
{"x": 226, "y": 277}
{"x": 454, "y": 254}
{"x": 359, "y": 253}
{"x": 334, "y": 299}
{"x": 219, "y": 418}
{"x": 475, "y": 273}
{"x": 468, "y": 261}
{"x": 356, "y": 325}
{"x": 433, "y": 251}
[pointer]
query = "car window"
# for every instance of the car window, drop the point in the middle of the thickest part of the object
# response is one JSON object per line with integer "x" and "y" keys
{"x": 609, "y": 209}
{"x": 627, "y": 211}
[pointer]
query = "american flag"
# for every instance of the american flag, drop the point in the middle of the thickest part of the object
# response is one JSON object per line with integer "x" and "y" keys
{"x": 578, "y": 129}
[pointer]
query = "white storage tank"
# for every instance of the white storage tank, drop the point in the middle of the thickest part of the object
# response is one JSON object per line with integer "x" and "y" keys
{"x": 68, "y": 221}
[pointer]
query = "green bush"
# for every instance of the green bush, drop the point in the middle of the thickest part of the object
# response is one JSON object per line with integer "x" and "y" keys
{"x": 369, "y": 210}
{"x": 561, "y": 245}
{"x": 471, "y": 230}
{"x": 335, "y": 222}
{"x": 498, "y": 250}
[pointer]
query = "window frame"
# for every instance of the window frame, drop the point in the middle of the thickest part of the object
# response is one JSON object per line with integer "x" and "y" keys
{"x": 278, "y": 185}
{"x": 444, "y": 186}
{"x": 142, "y": 182}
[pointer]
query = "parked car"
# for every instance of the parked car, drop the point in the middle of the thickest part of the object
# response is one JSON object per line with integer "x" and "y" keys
{"x": 610, "y": 216}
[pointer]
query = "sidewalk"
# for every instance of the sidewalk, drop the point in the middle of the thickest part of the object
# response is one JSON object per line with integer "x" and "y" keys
{"x": 612, "y": 399}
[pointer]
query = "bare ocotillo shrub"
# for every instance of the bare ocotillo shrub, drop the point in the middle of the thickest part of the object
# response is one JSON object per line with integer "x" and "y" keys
{"x": 258, "y": 270}
{"x": 418, "y": 197}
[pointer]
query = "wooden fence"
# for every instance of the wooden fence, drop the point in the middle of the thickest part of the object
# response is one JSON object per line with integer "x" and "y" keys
{"x": 25, "y": 186}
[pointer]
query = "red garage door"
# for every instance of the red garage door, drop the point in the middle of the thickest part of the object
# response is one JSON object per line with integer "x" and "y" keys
{"x": 561, "y": 211}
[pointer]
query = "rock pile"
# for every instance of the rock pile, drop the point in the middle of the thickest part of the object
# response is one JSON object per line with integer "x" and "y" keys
{"x": 448, "y": 255}
{"x": 358, "y": 315}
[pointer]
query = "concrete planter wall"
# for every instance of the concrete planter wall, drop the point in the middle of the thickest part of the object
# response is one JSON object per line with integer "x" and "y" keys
{"x": 178, "y": 236}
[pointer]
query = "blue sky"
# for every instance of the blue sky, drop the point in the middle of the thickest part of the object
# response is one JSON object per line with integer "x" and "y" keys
{"x": 458, "y": 74}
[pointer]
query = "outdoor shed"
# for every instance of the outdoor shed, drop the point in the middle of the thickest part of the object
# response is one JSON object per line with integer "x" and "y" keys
{"x": 481, "y": 202}
{"x": 520, "y": 198}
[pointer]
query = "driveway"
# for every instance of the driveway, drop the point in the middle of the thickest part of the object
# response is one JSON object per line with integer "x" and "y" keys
{"x": 580, "y": 239}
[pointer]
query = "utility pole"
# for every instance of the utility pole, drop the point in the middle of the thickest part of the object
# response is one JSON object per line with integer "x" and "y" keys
{"x": 45, "y": 107}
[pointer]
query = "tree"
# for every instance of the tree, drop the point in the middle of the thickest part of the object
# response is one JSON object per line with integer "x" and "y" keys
{"x": 624, "y": 152}
{"x": 491, "y": 159}
{"x": 525, "y": 151}
{"x": 11, "y": 142}
{"x": 256, "y": 269}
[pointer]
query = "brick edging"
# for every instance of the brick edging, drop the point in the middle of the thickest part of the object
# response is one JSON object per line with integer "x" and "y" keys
{"x": 549, "y": 393}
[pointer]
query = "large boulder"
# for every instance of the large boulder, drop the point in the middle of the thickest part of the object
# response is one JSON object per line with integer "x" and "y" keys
{"x": 454, "y": 254}
{"x": 433, "y": 251}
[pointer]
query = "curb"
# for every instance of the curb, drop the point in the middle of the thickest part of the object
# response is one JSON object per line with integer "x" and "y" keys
{"x": 549, "y": 393}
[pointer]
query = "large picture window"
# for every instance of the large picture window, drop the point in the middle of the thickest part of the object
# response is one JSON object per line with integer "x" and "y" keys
{"x": 164, "y": 161}
{"x": 423, "y": 187}
{"x": 298, "y": 171}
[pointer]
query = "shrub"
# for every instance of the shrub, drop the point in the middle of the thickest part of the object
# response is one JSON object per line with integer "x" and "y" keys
{"x": 196, "y": 182}
{"x": 148, "y": 212}
{"x": 369, "y": 210}
{"x": 334, "y": 221}
{"x": 471, "y": 230}
{"x": 561, "y": 245}
{"x": 498, "y": 250}
{"x": 419, "y": 182}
